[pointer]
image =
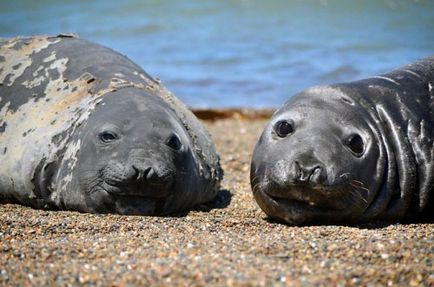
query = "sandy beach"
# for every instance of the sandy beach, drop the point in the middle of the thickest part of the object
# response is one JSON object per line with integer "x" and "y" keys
{"x": 229, "y": 242}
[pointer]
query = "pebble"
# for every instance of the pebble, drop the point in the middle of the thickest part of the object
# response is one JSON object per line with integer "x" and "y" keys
{"x": 230, "y": 242}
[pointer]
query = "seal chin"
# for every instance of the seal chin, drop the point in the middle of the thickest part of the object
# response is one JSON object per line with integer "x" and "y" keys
{"x": 104, "y": 201}
{"x": 288, "y": 211}
{"x": 158, "y": 190}
{"x": 308, "y": 198}
{"x": 292, "y": 211}
{"x": 136, "y": 205}
{"x": 109, "y": 197}
{"x": 302, "y": 204}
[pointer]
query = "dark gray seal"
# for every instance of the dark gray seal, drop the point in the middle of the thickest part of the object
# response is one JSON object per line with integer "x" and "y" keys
{"x": 351, "y": 152}
{"x": 83, "y": 128}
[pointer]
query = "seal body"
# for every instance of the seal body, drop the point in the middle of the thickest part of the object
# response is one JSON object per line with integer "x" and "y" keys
{"x": 83, "y": 128}
{"x": 351, "y": 152}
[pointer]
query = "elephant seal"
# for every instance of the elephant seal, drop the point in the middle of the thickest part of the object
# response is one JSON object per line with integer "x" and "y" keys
{"x": 351, "y": 152}
{"x": 83, "y": 128}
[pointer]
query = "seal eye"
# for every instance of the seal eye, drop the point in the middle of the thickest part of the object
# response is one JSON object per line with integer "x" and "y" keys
{"x": 355, "y": 143}
{"x": 173, "y": 142}
{"x": 108, "y": 136}
{"x": 283, "y": 128}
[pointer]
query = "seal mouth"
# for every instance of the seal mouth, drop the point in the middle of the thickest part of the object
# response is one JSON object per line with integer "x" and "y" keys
{"x": 157, "y": 190}
{"x": 134, "y": 203}
{"x": 307, "y": 204}
{"x": 135, "y": 195}
{"x": 298, "y": 211}
{"x": 300, "y": 204}
{"x": 148, "y": 194}
{"x": 308, "y": 197}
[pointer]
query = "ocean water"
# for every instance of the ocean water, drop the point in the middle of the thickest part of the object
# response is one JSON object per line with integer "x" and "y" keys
{"x": 241, "y": 53}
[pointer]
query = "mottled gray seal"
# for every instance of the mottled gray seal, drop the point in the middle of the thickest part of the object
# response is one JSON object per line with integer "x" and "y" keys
{"x": 83, "y": 128}
{"x": 351, "y": 152}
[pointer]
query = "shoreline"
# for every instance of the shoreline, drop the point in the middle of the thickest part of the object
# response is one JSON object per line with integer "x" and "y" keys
{"x": 213, "y": 114}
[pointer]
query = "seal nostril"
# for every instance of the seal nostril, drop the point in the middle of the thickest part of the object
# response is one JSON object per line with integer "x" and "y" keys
{"x": 308, "y": 174}
{"x": 142, "y": 173}
{"x": 304, "y": 175}
{"x": 139, "y": 173}
{"x": 317, "y": 175}
{"x": 316, "y": 170}
{"x": 150, "y": 174}
{"x": 301, "y": 174}
{"x": 298, "y": 172}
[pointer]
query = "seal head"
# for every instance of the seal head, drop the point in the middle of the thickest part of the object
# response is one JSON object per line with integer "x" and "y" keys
{"x": 314, "y": 161}
{"x": 132, "y": 156}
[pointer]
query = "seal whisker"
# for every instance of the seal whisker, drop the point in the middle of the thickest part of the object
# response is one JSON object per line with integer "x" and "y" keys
{"x": 357, "y": 181}
{"x": 357, "y": 197}
{"x": 256, "y": 187}
{"x": 357, "y": 194}
{"x": 254, "y": 179}
{"x": 255, "y": 183}
{"x": 359, "y": 186}
{"x": 364, "y": 188}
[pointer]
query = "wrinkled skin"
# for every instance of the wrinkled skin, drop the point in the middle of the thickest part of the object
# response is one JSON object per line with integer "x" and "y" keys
{"x": 350, "y": 152}
{"x": 84, "y": 128}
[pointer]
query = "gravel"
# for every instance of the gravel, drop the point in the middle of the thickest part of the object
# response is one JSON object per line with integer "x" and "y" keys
{"x": 229, "y": 242}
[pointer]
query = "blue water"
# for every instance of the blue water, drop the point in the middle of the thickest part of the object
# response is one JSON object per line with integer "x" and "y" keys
{"x": 245, "y": 53}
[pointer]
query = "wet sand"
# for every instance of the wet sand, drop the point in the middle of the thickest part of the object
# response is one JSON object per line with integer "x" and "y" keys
{"x": 227, "y": 243}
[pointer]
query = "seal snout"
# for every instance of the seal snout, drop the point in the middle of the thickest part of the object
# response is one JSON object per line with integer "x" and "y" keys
{"x": 303, "y": 173}
{"x": 149, "y": 175}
